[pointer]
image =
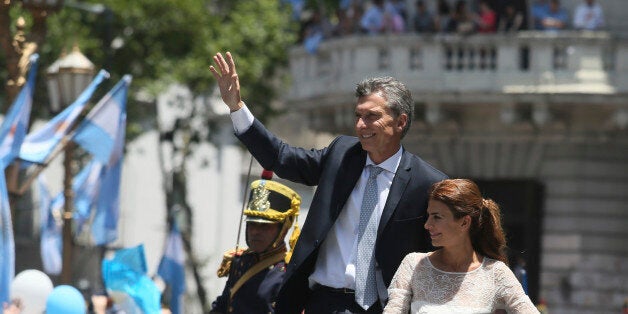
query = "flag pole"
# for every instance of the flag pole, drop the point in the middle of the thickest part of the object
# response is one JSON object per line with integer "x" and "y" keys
{"x": 246, "y": 189}
{"x": 40, "y": 167}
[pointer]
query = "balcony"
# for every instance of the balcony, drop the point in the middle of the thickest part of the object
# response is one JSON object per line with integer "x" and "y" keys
{"x": 567, "y": 63}
{"x": 562, "y": 84}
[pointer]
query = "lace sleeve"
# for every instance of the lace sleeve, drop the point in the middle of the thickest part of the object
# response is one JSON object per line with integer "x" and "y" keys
{"x": 510, "y": 293}
{"x": 400, "y": 290}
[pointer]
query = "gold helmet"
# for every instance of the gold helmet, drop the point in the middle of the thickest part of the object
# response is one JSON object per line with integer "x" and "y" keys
{"x": 269, "y": 202}
{"x": 273, "y": 202}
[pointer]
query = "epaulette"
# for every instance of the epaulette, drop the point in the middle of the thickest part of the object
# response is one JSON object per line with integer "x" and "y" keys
{"x": 225, "y": 265}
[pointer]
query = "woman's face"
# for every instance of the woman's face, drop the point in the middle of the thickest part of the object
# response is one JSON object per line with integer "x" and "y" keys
{"x": 444, "y": 229}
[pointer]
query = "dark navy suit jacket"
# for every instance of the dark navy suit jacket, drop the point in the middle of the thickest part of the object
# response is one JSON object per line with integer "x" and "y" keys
{"x": 335, "y": 170}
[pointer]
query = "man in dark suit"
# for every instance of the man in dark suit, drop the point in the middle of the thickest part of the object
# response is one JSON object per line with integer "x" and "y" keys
{"x": 326, "y": 272}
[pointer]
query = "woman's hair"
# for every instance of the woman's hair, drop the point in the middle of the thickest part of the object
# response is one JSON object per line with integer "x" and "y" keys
{"x": 463, "y": 197}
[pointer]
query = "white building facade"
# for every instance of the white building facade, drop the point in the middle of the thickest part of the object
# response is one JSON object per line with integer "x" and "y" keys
{"x": 540, "y": 120}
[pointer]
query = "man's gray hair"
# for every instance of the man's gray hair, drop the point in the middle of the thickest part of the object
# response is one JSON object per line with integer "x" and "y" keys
{"x": 397, "y": 95}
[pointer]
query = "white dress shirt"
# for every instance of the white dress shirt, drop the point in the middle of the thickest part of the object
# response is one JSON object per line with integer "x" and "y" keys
{"x": 242, "y": 120}
{"x": 335, "y": 266}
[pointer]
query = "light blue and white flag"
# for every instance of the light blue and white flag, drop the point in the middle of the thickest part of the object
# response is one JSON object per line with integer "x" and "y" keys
{"x": 97, "y": 133}
{"x": 51, "y": 225}
{"x": 172, "y": 269}
{"x": 102, "y": 133}
{"x": 105, "y": 224}
{"x": 7, "y": 246}
{"x": 86, "y": 185}
{"x": 126, "y": 273}
{"x": 39, "y": 144}
{"x": 15, "y": 124}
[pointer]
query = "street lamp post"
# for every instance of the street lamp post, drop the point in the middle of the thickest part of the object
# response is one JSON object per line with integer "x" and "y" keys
{"x": 67, "y": 78}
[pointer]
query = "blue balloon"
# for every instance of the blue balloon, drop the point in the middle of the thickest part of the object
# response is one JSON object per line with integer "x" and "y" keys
{"x": 65, "y": 300}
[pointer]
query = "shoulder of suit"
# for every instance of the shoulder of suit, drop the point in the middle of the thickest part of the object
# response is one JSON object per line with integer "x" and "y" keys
{"x": 435, "y": 173}
{"x": 344, "y": 139}
{"x": 346, "y": 142}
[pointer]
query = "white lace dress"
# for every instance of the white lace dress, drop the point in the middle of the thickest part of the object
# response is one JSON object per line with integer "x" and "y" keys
{"x": 418, "y": 287}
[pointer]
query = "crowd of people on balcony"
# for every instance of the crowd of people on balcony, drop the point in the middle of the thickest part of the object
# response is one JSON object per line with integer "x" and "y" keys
{"x": 462, "y": 17}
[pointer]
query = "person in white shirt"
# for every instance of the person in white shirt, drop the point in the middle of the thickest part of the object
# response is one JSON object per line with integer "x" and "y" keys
{"x": 468, "y": 271}
{"x": 588, "y": 16}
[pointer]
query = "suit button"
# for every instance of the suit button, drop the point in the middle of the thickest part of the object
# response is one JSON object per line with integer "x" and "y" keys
{"x": 316, "y": 242}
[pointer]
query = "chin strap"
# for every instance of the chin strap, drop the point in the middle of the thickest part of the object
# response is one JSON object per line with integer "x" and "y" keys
{"x": 294, "y": 237}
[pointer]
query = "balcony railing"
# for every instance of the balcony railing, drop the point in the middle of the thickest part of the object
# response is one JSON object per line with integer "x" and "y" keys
{"x": 524, "y": 62}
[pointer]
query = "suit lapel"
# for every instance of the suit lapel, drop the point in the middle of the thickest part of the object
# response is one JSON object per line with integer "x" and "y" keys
{"x": 347, "y": 177}
{"x": 397, "y": 188}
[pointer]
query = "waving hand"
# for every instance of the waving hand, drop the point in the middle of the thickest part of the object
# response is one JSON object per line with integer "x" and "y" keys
{"x": 228, "y": 81}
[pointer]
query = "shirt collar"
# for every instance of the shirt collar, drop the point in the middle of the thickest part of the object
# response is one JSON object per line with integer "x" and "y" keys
{"x": 391, "y": 164}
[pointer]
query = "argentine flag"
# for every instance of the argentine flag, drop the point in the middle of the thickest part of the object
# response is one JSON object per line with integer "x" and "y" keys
{"x": 13, "y": 128}
{"x": 51, "y": 224}
{"x": 172, "y": 270}
{"x": 125, "y": 274}
{"x": 102, "y": 133}
{"x": 86, "y": 186}
{"x": 7, "y": 245}
{"x": 39, "y": 144}
{"x": 12, "y": 132}
{"x": 97, "y": 133}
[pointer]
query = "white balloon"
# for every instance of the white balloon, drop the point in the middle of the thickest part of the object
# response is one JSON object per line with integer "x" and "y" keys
{"x": 32, "y": 287}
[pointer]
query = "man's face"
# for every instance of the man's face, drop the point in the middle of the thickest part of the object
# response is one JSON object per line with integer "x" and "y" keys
{"x": 379, "y": 132}
{"x": 261, "y": 235}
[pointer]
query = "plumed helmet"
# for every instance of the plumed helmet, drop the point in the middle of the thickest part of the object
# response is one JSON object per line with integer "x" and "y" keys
{"x": 271, "y": 201}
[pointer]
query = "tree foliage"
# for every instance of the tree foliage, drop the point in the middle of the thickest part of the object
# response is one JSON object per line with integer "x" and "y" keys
{"x": 164, "y": 41}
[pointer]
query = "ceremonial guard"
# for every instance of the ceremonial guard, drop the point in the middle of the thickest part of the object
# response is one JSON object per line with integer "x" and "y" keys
{"x": 256, "y": 273}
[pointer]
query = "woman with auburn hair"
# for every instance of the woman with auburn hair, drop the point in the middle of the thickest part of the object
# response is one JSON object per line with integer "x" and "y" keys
{"x": 467, "y": 273}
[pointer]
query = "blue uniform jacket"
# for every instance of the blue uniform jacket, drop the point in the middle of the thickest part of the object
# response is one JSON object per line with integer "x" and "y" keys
{"x": 258, "y": 294}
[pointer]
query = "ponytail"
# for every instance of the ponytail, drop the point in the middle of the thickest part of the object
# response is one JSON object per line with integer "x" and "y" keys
{"x": 489, "y": 238}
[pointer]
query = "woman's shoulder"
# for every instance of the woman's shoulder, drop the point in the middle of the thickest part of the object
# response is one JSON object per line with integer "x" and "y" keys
{"x": 420, "y": 254}
{"x": 415, "y": 257}
{"x": 499, "y": 268}
{"x": 493, "y": 263}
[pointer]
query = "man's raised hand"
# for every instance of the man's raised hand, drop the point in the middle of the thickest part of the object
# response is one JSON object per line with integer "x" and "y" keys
{"x": 228, "y": 81}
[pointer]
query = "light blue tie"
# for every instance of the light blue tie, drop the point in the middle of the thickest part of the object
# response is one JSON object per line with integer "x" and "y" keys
{"x": 365, "y": 283}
